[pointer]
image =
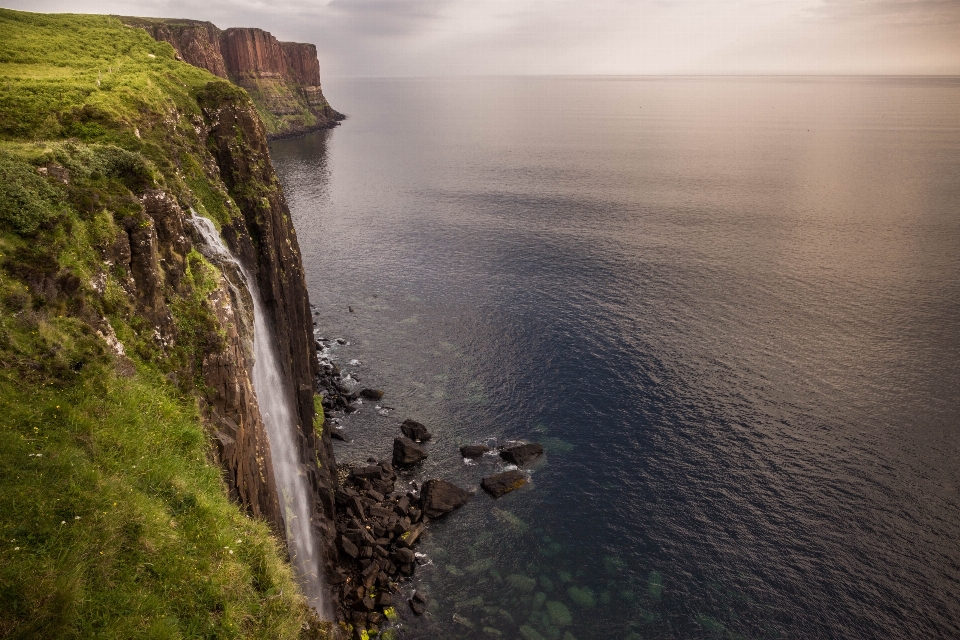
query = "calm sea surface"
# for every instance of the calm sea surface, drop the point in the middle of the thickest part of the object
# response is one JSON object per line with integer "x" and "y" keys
{"x": 728, "y": 308}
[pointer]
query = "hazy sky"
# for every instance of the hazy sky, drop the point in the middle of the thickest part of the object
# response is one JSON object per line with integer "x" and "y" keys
{"x": 463, "y": 37}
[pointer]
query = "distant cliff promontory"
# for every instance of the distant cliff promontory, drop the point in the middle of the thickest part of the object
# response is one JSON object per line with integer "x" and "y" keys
{"x": 282, "y": 78}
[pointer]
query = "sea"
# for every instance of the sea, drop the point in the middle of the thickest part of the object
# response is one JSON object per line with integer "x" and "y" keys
{"x": 727, "y": 307}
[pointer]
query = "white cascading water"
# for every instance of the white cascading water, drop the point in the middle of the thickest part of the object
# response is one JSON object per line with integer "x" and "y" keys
{"x": 279, "y": 417}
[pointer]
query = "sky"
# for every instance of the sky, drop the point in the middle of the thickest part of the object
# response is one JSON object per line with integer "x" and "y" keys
{"x": 580, "y": 37}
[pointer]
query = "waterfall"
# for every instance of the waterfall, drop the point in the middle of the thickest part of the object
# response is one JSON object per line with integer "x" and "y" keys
{"x": 279, "y": 417}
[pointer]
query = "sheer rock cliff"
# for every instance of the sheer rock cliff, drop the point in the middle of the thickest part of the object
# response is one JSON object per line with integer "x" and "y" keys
{"x": 282, "y": 78}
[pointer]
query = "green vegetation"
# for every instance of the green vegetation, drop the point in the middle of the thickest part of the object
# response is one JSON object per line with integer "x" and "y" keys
{"x": 114, "y": 520}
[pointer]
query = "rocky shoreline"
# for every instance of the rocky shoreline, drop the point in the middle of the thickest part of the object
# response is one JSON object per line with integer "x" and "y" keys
{"x": 383, "y": 510}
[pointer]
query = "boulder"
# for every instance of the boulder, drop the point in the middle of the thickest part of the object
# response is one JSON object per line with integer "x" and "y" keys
{"x": 418, "y": 603}
{"x": 410, "y": 537}
{"x": 349, "y": 548}
{"x": 406, "y": 452}
{"x": 371, "y": 394}
{"x": 415, "y": 431}
{"x": 440, "y": 497}
{"x": 502, "y": 483}
{"x": 473, "y": 450}
{"x": 418, "y": 608}
{"x": 405, "y": 556}
{"x": 522, "y": 454}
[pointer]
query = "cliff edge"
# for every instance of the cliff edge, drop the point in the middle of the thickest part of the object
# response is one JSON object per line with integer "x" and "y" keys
{"x": 282, "y": 78}
{"x": 137, "y": 491}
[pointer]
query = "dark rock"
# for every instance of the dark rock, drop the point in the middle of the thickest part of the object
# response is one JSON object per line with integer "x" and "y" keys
{"x": 440, "y": 497}
{"x": 371, "y": 394}
{"x": 409, "y": 538}
{"x": 415, "y": 431}
{"x": 373, "y": 471}
{"x": 375, "y": 495}
{"x": 350, "y": 309}
{"x": 349, "y": 548}
{"x": 376, "y": 617}
{"x": 336, "y": 435}
{"x": 402, "y": 526}
{"x": 418, "y": 608}
{"x": 405, "y": 556}
{"x": 502, "y": 483}
{"x": 522, "y": 453}
{"x": 420, "y": 597}
{"x": 369, "y": 576}
{"x": 384, "y": 600}
{"x": 473, "y": 450}
{"x": 406, "y": 452}
{"x": 357, "y": 507}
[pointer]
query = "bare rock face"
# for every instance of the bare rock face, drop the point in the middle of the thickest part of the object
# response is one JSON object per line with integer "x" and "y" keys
{"x": 239, "y": 433}
{"x": 197, "y": 43}
{"x": 264, "y": 240}
{"x": 281, "y": 77}
{"x": 303, "y": 66}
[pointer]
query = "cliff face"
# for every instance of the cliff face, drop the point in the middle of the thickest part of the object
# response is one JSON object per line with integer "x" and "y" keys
{"x": 265, "y": 241}
{"x": 114, "y": 309}
{"x": 282, "y": 78}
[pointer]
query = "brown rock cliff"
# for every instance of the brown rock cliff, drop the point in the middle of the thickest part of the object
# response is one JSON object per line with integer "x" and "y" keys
{"x": 282, "y": 78}
{"x": 265, "y": 241}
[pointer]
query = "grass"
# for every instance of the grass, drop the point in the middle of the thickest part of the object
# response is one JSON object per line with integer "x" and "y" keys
{"x": 114, "y": 520}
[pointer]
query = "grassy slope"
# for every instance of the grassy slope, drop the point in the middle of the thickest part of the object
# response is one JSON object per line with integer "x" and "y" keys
{"x": 113, "y": 521}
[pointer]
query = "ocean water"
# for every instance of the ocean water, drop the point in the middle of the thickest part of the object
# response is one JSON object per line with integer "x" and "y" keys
{"x": 729, "y": 308}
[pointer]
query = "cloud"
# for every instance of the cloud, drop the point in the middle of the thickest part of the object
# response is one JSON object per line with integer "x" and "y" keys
{"x": 385, "y": 18}
{"x": 463, "y": 37}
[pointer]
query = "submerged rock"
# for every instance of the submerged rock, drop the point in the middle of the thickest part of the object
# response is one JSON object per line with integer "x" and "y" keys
{"x": 522, "y": 454}
{"x": 473, "y": 450}
{"x": 501, "y": 483}
{"x": 583, "y": 597}
{"x": 415, "y": 431}
{"x": 371, "y": 394}
{"x": 440, "y": 497}
{"x": 559, "y": 614}
{"x": 418, "y": 603}
{"x": 406, "y": 452}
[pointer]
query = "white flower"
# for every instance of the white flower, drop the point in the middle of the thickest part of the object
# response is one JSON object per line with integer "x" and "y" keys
{"x": 76, "y": 517}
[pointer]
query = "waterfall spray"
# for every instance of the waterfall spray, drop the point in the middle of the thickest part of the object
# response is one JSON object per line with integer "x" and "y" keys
{"x": 279, "y": 417}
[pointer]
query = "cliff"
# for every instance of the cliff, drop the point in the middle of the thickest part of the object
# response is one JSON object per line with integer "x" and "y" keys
{"x": 137, "y": 492}
{"x": 282, "y": 78}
